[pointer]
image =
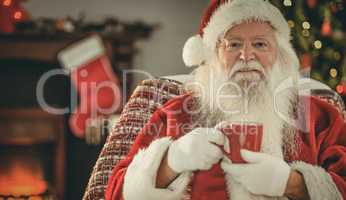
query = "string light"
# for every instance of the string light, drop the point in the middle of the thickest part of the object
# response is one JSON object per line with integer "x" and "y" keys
{"x": 333, "y": 72}
{"x": 306, "y": 25}
{"x": 287, "y": 3}
{"x": 7, "y": 2}
{"x": 290, "y": 23}
{"x": 17, "y": 15}
{"x": 306, "y": 33}
{"x": 340, "y": 89}
{"x": 318, "y": 44}
{"x": 326, "y": 29}
{"x": 337, "y": 56}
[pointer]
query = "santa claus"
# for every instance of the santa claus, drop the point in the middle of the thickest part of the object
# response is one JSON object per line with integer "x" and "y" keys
{"x": 244, "y": 59}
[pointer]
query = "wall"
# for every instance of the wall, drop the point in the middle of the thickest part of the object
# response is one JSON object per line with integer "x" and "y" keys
{"x": 161, "y": 55}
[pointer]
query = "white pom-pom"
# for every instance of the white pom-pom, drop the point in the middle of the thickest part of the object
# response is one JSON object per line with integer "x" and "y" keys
{"x": 193, "y": 51}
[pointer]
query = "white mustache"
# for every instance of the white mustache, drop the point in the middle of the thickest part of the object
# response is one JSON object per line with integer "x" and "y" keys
{"x": 240, "y": 66}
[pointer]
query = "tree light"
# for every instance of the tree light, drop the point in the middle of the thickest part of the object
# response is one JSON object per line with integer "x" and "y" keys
{"x": 290, "y": 23}
{"x": 340, "y": 89}
{"x": 306, "y": 25}
{"x": 306, "y": 33}
{"x": 18, "y": 15}
{"x": 287, "y": 2}
{"x": 318, "y": 44}
{"x": 337, "y": 56}
{"x": 333, "y": 72}
{"x": 7, "y": 2}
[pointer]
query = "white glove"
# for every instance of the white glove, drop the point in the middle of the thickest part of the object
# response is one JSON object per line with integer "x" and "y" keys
{"x": 263, "y": 174}
{"x": 196, "y": 151}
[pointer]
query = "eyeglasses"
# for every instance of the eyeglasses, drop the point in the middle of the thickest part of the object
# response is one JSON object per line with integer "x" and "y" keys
{"x": 233, "y": 45}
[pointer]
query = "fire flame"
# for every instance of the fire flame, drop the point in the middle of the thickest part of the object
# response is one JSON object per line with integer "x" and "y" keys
{"x": 20, "y": 179}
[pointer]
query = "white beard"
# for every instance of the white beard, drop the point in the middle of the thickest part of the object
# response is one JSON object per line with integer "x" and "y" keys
{"x": 259, "y": 107}
{"x": 261, "y": 110}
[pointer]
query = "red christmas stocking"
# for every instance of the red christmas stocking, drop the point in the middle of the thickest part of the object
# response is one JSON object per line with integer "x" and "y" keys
{"x": 92, "y": 75}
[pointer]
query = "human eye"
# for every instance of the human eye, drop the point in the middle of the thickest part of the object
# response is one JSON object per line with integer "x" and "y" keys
{"x": 261, "y": 44}
{"x": 233, "y": 45}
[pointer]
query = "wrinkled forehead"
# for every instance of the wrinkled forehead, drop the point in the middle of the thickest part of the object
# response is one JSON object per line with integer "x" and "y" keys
{"x": 250, "y": 29}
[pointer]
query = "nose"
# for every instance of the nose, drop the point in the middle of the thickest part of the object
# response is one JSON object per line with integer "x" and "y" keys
{"x": 247, "y": 53}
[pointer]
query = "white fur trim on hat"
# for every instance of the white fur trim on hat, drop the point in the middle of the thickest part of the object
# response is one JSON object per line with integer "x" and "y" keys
{"x": 229, "y": 14}
{"x": 193, "y": 51}
{"x": 237, "y": 11}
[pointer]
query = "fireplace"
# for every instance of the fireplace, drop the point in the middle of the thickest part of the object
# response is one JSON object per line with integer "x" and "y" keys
{"x": 31, "y": 154}
{"x": 29, "y": 133}
{"x": 31, "y": 140}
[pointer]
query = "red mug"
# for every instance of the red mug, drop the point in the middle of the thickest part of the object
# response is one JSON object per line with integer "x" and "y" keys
{"x": 242, "y": 135}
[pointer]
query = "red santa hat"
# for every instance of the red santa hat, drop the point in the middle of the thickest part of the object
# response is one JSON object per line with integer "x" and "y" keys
{"x": 220, "y": 16}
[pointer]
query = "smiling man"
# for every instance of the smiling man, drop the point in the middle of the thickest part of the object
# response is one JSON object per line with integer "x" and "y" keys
{"x": 243, "y": 54}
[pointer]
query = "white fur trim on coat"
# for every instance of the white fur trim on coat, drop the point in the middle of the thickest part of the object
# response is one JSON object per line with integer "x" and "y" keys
{"x": 318, "y": 182}
{"x": 140, "y": 177}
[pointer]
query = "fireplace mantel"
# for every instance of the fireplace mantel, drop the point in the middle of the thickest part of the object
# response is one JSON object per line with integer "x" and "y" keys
{"x": 32, "y": 47}
{"x": 44, "y": 48}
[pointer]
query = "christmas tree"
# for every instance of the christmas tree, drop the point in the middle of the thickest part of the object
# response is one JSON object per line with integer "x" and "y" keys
{"x": 318, "y": 30}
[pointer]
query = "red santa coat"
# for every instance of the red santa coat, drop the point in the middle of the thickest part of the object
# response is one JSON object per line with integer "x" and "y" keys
{"x": 321, "y": 158}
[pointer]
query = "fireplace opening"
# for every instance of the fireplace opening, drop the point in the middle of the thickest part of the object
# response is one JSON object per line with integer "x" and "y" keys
{"x": 31, "y": 155}
{"x": 24, "y": 171}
